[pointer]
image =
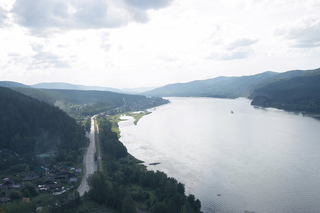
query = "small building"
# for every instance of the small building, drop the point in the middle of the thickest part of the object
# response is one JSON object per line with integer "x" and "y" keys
{"x": 62, "y": 174}
{"x": 8, "y": 183}
{"x": 4, "y": 200}
{"x": 40, "y": 169}
{"x": 48, "y": 180}
{"x": 31, "y": 176}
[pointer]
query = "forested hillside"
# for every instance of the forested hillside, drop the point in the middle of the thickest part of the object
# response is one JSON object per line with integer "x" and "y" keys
{"x": 30, "y": 126}
{"x": 220, "y": 87}
{"x": 127, "y": 185}
{"x": 299, "y": 93}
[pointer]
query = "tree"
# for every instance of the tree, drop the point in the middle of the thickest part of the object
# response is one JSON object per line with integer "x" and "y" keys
{"x": 88, "y": 124}
{"x": 180, "y": 188}
{"x": 27, "y": 170}
{"x": 172, "y": 207}
{"x": 29, "y": 189}
{"x": 128, "y": 205}
{"x": 98, "y": 186}
{"x": 160, "y": 208}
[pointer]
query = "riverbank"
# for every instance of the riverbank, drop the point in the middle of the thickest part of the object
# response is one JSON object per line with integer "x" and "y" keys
{"x": 150, "y": 191}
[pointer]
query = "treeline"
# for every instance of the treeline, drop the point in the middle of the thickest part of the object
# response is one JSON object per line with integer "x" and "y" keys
{"x": 300, "y": 93}
{"x": 82, "y": 103}
{"x": 127, "y": 184}
{"x": 109, "y": 141}
{"x": 97, "y": 107}
{"x": 29, "y": 127}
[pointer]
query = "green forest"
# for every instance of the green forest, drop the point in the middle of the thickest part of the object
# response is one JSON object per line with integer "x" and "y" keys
{"x": 32, "y": 129}
{"x": 30, "y": 126}
{"x": 299, "y": 93}
{"x": 35, "y": 136}
{"x": 126, "y": 184}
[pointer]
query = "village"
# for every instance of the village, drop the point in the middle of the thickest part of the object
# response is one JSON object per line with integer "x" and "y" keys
{"x": 56, "y": 180}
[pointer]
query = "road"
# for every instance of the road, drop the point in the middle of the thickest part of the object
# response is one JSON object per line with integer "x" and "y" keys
{"x": 88, "y": 160}
{"x": 99, "y": 159}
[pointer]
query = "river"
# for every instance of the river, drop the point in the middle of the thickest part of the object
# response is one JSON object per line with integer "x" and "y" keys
{"x": 258, "y": 160}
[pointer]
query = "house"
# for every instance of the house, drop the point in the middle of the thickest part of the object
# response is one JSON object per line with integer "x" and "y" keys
{"x": 4, "y": 200}
{"x": 62, "y": 174}
{"x": 41, "y": 169}
{"x": 31, "y": 176}
{"x": 48, "y": 180}
{"x": 8, "y": 183}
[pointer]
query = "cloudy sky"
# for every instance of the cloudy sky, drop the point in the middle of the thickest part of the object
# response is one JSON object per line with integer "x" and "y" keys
{"x": 142, "y": 43}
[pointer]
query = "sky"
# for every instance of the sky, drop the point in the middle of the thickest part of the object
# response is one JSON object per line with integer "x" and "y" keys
{"x": 151, "y": 43}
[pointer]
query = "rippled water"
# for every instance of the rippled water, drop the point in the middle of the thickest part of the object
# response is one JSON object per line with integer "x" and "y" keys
{"x": 260, "y": 160}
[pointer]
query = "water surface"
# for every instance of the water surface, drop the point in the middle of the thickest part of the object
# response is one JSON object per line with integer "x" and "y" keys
{"x": 261, "y": 160}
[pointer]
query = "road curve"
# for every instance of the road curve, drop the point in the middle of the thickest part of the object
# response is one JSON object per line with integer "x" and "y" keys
{"x": 90, "y": 166}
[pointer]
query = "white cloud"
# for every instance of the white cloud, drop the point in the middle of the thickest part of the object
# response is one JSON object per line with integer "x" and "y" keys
{"x": 242, "y": 42}
{"x": 121, "y": 43}
{"x": 44, "y": 59}
{"x": 167, "y": 57}
{"x": 305, "y": 33}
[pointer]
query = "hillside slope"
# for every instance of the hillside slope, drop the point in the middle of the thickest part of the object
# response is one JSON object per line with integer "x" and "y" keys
{"x": 85, "y": 102}
{"x": 298, "y": 93}
{"x": 224, "y": 87}
{"x": 12, "y": 84}
{"x": 31, "y": 126}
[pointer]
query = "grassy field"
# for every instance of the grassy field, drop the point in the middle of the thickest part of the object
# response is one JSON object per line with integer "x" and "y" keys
{"x": 115, "y": 119}
{"x": 138, "y": 116}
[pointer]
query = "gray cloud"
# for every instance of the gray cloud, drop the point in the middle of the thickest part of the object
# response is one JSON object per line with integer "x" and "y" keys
{"x": 44, "y": 16}
{"x": 303, "y": 34}
{"x": 236, "y": 55}
{"x": 231, "y": 55}
{"x": 3, "y": 16}
{"x": 148, "y": 4}
{"x": 44, "y": 59}
{"x": 242, "y": 43}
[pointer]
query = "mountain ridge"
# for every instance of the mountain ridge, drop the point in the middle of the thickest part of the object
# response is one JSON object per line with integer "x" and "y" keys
{"x": 222, "y": 86}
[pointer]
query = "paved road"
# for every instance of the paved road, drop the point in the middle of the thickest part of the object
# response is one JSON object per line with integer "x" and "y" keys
{"x": 98, "y": 149}
{"x": 88, "y": 161}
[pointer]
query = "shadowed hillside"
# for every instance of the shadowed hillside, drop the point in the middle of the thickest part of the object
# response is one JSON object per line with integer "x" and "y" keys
{"x": 299, "y": 93}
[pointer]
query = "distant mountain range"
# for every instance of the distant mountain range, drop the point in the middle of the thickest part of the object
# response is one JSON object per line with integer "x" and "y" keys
{"x": 224, "y": 87}
{"x": 13, "y": 84}
{"x": 296, "y": 90}
{"x": 66, "y": 86}
{"x": 292, "y": 90}
{"x": 80, "y": 101}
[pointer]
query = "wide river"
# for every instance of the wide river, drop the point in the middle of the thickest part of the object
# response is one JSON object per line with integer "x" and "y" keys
{"x": 258, "y": 160}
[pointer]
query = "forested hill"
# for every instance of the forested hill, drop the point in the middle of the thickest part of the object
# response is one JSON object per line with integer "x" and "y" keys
{"x": 12, "y": 84}
{"x": 223, "y": 87}
{"x": 30, "y": 126}
{"x": 299, "y": 93}
{"x": 82, "y": 102}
